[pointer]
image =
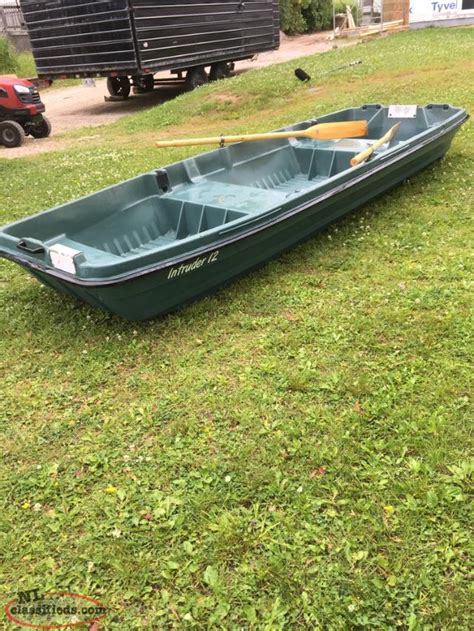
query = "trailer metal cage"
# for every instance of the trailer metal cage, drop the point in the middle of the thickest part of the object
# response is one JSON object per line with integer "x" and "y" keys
{"x": 137, "y": 38}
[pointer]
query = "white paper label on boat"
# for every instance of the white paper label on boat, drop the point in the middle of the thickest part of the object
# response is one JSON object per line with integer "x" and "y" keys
{"x": 402, "y": 111}
{"x": 62, "y": 257}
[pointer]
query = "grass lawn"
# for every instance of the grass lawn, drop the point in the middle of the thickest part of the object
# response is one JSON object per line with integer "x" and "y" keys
{"x": 292, "y": 452}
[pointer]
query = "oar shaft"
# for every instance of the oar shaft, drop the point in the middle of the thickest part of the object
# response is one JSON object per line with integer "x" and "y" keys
{"x": 217, "y": 140}
{"x": 363, "y": 155}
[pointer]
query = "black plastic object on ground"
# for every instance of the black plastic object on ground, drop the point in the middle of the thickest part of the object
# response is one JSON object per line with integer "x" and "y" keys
{"x": 302, "y": 75}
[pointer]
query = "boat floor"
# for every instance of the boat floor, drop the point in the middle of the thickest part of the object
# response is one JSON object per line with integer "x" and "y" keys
{"x": 268, "y": 190}
{"x": 204, "y": 196}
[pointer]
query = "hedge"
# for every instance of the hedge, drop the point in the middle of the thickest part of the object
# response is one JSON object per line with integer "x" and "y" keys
{"x": 299, "y": 16}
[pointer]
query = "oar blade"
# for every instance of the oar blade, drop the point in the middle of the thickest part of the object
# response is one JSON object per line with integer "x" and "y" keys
{"x": 332, "y": 131}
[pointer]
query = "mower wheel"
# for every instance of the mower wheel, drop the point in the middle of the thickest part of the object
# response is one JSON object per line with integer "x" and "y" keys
{"x": 41, "y": 129}
{"x": 11, "y": 134}
{"x": 119, "y": 86}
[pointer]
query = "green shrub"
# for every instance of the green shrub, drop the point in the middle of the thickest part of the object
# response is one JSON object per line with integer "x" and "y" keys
{"x": 21, "y": 64}
{"x": 25, "y": 65}
{"x": 291, "y": 17}
{"x": 7, "y": 57}
{"x": 298, "y": 16}
{"x": 318, "y": 15}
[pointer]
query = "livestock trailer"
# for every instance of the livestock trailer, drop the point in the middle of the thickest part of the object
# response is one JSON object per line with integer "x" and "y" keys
{"x": 128, "y": 41}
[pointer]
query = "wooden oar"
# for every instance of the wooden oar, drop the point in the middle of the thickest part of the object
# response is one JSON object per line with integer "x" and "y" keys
{"x": 363, "y": 155}
{"x": 322, "y": 131}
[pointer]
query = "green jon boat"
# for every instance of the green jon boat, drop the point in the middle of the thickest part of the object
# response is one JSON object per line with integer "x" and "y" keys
{"x": 150, "y": 244}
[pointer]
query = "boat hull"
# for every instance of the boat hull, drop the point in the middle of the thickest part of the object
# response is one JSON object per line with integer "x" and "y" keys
{"x": 147, "y": 246}
{"x": 168, "y": 288}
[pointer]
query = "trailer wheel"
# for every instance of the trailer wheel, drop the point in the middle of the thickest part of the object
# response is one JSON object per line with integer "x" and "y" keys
{"x": 143, "y": 84}
{"x": 148, "y": 82}
{"x": 219, "y": 71}
{"x": 41, "y": 129}
{"x": 12, "y": 134}
{"x": 196, "y": 77}
{"x": 118, "y": 86}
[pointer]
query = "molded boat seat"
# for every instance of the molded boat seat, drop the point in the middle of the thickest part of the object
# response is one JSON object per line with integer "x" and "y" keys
{"x": 320, "y": 160}
{"x": 287, "y": 182}
{"x": 245, "y": 199}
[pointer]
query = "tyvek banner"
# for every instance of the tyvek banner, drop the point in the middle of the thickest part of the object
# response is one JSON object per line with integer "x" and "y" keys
{"x": 436, "y": 10}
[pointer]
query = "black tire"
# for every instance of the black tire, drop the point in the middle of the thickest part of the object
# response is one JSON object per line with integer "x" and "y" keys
{"x": 148, "y": 82}
{"x": 12, "y": 134}
{"x": 41, "y": 129}
{"x": 196, "y": 77}
{"x": 144, "y": 84}
{"x": 219, "y": 71}
{"x": 119, "y": 86}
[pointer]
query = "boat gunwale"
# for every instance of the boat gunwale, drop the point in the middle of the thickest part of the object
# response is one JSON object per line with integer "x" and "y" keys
{"x": 385, "y": 160}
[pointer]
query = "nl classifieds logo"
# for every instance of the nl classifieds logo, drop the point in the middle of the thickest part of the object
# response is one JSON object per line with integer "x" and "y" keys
{"x": 54, "y": 610}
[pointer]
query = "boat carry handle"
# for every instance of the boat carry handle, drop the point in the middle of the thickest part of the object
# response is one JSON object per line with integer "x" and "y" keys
{"x": 33, "y": 246}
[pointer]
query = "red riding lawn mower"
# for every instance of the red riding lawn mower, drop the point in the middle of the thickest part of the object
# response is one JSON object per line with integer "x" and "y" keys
{"x": 21, "y": 112}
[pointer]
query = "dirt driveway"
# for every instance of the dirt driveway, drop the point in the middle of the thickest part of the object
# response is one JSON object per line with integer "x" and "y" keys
{"x": 80, "y": 106}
